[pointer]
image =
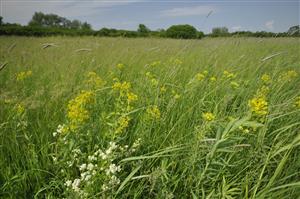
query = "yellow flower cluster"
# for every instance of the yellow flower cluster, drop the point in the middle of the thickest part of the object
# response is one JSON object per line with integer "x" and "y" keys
{"x": 20, "y": 109}
{"x": 77, "y": 111}
{"x": 163, "y": 89}
{"x": 208, "y": 116}
{"x": 177, "y": 62}
{"x": 94, "y": 80}
{"x": 23, "y": 75}
{"x": 228, "y": 74}
{"x": 123, "y": 123}
{"x": 297, "y": 102}
{"x": 266, "y": 78}
{"x": 175, "y": 94}
{"x": 289, "y": 75}
{"x": 154, "y": 112}
{"x": 125, "y": 93}
{"x": 155, "y": 63}
{"x": 201, "y": 76}
{"x": 153, "y": 80}
{"x": 131, "y": 97}
{"x": 259, "y": 105}
{"x": 120, "y": 66}
{"x": 263, "y": 91}
{"x": 234, "y": 84}
{"x": 244, "y": 129}
{"x": 213, "y": 79}
{"x": 123, "y": 87}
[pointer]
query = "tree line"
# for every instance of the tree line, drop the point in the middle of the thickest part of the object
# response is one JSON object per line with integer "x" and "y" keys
{"x": 51, "y": 24}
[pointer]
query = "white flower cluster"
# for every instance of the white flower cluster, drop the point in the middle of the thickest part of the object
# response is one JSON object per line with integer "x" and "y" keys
{"x": 87, "y": 171}
{"x": 101, "y": 164}
{"x": 136, "y": 145}
{"x": 75, "y": 185}
{"x": 60, "y": 129}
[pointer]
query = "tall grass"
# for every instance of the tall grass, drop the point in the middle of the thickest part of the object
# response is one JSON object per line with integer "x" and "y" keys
{"x": 174, "y": 151}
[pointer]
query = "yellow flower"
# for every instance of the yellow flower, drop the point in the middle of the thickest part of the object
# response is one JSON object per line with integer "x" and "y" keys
{"x": 297, "y": 102}
{"x": 234, "y": 84}
{"x": 177, "y": 61}
{"x": 259, "y": 105}
{"x": 120, "y": 66}
{"x": 77, "y": 112}
{"x": 149, "y": 75}
{"x": 208, "y": 116}
{"x": 228, "y": 74}
{"x": 154, "y": 82}
{"x": 20, "y": 109}
{"x": 154, "y": 112}
{"x": 123, "y": 123}
{"x": 131, "y": 97}
{"x": 156, "y": 63}
{"x": 94, "y": 80}
{"x": 163, "y": 89}
{"x": 23, "y": 75}
{"x": 266, "y": 78}
{"x": 176, "y": 95}
{"x": 213, "y": 79}
{"x": 200, "y": 76}
{"x": 125, "y": 86}
{"x": 288, "y": 76}
{"x": 263, "y": 91}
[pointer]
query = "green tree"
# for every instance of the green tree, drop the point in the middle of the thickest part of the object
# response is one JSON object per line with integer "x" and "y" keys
{"x": 86, "y": 26}
{"x": 1, "y": 20}
{"x": 200, "y": 34}
{"x": 220, "y": 31}
{"x": 182, "y": 32}
{"x": 294, "y": 30}
{"x": 143, "y": 30}
{"x": 40, "y": 19}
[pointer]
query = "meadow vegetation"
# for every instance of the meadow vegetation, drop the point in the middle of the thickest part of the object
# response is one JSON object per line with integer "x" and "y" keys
{"x": 88, "y": 117}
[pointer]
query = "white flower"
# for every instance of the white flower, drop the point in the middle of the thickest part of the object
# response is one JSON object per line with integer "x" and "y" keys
{"x": 114, "y": 180}
{"x": 82, "y": 167}
{"x": 94, "y": 172}
{"x": 113, "y": 145}
{"x": 88, "y": 177}
{"x": 103, "y": 155}
{"x": 76, "y": 151}
{"x": 60, "y": 128}
{"x": 68, "y": 183}
{"x": 90, "y": 166}
{"x": 92, "y": 158}
{"x": 54, "y": 134}
{"x": 76, "y": 184}
{"x": 108, "y": 151}
{"x": 113, "y": 169}
{"x": 69, "y": 163}
{"x": 104, "y": 187}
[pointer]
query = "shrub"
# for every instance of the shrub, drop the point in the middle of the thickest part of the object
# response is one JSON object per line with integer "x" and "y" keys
{"x": 182, "y": 32}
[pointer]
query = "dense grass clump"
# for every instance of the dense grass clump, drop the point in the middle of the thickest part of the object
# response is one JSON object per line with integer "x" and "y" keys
{"x": 88, "y": 117}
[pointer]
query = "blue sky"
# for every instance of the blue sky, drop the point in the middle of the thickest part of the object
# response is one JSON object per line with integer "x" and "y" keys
{"x": 253, "y": 15}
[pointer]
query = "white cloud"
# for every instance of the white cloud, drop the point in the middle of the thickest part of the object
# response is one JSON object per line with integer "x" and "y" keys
{"x": 236, "y": 28}
{"x": 270, "y": 25}
{"x": 188, "y": 11}
{"x": 22, "y": 11}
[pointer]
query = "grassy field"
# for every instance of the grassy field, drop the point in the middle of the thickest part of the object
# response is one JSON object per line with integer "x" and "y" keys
{"x": 93, "y": 117}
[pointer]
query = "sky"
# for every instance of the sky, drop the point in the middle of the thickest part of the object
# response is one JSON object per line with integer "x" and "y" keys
{"x": 252, "y": 15}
